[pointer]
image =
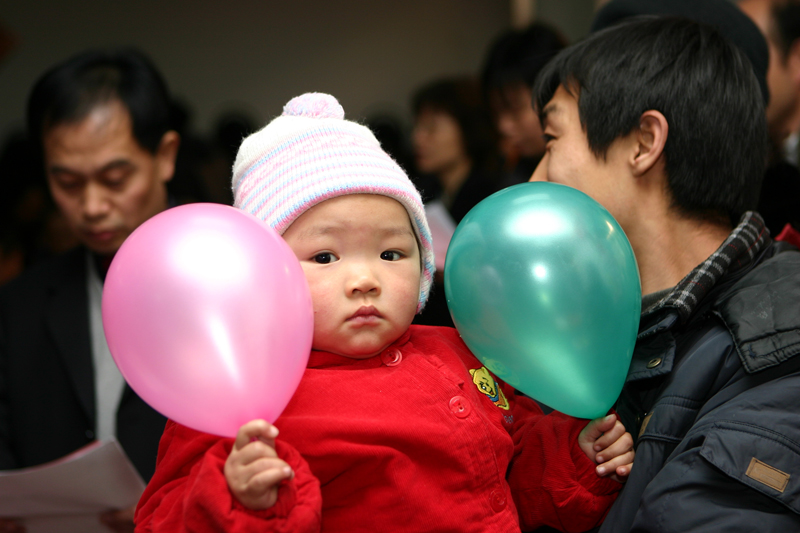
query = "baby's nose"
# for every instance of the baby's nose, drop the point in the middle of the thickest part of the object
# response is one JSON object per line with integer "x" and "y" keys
{"x": 363, "y": 280}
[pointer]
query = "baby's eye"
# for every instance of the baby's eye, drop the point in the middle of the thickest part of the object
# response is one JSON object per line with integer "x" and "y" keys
{"x": 325, "y": 258}
{"x": 391, "y": 256}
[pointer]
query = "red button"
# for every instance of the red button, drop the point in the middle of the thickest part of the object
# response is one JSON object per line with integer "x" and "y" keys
{"x": 391, "y": 357}
{"x": 460, "y": 406}
{"x": 497, "y": 500}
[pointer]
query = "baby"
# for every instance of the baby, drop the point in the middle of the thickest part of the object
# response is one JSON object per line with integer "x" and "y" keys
{"x": 394, "y": 427}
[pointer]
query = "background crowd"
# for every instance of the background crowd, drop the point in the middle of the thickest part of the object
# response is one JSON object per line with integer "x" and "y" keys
{"x": 462, "y": 134}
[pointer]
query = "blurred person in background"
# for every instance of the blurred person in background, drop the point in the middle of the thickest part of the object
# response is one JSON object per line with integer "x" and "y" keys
{"x": 779, "y": 22}
{"x": 101, "y": 124}
{"x": 511, "y": 66}
{"x": 455, "y": 147}
{"x": 455, "y": 142}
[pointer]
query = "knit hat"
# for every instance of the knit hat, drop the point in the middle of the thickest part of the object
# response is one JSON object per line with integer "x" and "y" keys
{"x": 310, "y": 154}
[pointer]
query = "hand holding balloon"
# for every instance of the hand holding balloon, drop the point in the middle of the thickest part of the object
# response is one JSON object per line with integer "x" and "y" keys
{"x": 607, "y": 444}
{"x": 208, "y": 316}
{"x": 253, "y": 469}
{"x": 543, "y": 286}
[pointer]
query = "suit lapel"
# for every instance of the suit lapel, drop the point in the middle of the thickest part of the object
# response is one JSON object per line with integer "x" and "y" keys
{"x": 67, "y": 319}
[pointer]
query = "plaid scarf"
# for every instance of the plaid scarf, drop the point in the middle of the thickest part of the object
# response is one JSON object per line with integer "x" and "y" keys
{"x": 744, "y": 243}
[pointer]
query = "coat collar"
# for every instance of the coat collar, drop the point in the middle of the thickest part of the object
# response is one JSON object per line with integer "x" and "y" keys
{"x": 319, "y": 359}
{"x": 738, "y": 253}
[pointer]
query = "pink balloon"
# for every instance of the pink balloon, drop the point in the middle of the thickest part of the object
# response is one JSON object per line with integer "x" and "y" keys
{"x": 208, "y": 316}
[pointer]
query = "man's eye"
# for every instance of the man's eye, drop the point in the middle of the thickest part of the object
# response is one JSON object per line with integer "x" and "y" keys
{"x": 67, "y": 182}
{"x": 325, "y": 258}
{"x": 116, "y": 179}
{"x": 391, "y": 256}
{"x": 68, "y": 185}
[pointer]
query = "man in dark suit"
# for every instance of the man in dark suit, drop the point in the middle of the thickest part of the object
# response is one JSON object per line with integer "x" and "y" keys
{"x": 101, "y": 120}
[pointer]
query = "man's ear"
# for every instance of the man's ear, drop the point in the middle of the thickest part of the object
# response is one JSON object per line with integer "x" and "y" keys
{"x": 166, "y": 154}
{"x": 651, "y": 138}
{"x": 793, "y": 62}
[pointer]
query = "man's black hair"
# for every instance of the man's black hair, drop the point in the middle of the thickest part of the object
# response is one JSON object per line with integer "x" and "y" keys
{"x": 786, "y": 25}
{"x": 723, "y": 15}
{"x": 517, "y": 56}
{"x": 461, "y": 98}
{"x": 716, "y": 148}
{"x": 69, "y": 91}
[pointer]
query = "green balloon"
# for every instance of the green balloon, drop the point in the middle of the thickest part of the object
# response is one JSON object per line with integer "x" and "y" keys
{"x": 543, "y": 287}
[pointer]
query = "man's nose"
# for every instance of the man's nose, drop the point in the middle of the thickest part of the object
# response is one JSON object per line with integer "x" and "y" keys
{"x": 505, "y": 124}
{"x": 540, "y": 173}
{"x": 95, "y": 201}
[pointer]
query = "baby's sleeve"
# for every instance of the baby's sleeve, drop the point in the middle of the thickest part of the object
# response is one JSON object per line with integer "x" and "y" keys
{"x": 552, "y": 481}
{"x": 188, "y": 491}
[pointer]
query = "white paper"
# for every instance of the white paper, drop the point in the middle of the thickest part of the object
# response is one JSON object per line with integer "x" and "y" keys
{"x": 442, "y": 227}
{"x": 68, "y": 494}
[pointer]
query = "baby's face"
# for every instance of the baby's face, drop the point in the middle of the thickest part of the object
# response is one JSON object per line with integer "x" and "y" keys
{"x": 362, "y": 264}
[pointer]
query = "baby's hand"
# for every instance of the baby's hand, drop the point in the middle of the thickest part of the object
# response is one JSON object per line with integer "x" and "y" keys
{"x": 253, "y": 470}
{"x": 605, "y": 441}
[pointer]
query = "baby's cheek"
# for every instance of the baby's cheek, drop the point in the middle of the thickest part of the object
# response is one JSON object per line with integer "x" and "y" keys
{"x": 410, "y": 301}
{"x": 322, "y": 311}
{"x": 320, "y": 291}
{"x": 323, "y": 330}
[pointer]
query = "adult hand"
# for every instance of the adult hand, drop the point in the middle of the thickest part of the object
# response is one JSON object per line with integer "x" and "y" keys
{"x": 605, "y": 441}
{"x": 120, "y": 521}
{"x": 253, "y": 470}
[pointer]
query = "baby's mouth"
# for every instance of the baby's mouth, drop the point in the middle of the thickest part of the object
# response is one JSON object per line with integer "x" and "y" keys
{"x": 365, "y": 313}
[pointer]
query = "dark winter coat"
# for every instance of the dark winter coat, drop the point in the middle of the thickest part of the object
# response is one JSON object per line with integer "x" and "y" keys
{"x": 713, "y": 401}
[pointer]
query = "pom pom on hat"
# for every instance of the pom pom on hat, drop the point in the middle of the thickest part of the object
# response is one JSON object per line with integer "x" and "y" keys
{"x": 314, "y": 105}
{"x": 310, "y": 154}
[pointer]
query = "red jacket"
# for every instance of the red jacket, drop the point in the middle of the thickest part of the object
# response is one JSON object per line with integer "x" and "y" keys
{"x": 419, "y": 438}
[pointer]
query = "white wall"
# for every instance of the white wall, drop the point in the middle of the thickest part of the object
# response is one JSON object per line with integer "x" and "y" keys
{"x": 257, "y": 54}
